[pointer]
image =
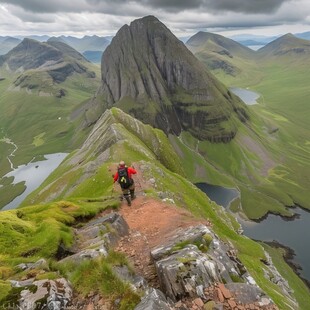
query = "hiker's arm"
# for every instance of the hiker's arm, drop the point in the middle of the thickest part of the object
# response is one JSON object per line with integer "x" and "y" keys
{"x": 115, "y": 178}
{"x": 132, "y": 170}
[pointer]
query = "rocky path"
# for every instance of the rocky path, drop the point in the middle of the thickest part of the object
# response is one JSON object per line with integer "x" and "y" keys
{"x": 151, "y": 223}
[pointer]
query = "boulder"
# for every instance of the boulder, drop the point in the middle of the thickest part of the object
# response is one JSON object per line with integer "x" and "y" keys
{"x": 153, "y": 300}
{"x": 248, "y": 294}
{"x": 98, "y": 236}
{"x": 193, "y": 259}
{"x": 47, "y": 294}
{"x": 186, "y": 272}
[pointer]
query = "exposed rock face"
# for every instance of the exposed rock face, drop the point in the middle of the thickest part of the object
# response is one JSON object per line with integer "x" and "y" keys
{"x": 153, "y": 300}
{"x": 95, "y": 238}
{"x": 196, "y": 259}
{"x": 149, "y": 73}
{"x": 44, "y": 294}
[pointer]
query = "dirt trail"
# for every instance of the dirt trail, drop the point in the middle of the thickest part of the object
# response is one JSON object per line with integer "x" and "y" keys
{"x": 151, "y": 223}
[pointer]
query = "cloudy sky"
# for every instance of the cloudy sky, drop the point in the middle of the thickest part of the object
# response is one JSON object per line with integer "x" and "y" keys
{"x": 183, "y": 17}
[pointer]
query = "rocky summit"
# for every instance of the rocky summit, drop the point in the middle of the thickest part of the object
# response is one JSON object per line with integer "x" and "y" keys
{"x": 150, "y": 74}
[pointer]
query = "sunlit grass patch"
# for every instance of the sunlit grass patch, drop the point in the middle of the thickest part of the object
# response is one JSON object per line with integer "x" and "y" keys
{"x": 38, "y": 140}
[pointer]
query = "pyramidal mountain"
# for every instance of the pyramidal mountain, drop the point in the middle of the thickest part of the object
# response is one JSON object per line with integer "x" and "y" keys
{"x": 217, "y": 43}
{"x": 52, "y": 61}
{"x": 150, "y": 74}
{"x": 286, "y": 45}
{"x": 220, "y": 54}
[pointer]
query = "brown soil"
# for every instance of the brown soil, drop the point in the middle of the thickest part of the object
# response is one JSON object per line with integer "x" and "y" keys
{"x": 152, "y": 223}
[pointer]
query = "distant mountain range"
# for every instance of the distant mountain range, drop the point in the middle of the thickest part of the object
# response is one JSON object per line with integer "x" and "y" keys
{"x": 251, "y": 40}
{"x": 92, "y": 47}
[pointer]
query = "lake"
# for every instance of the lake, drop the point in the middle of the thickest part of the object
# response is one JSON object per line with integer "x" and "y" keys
{"x": 221, "y": 195}
{"x": 294, "y": 233}
{"x": 249, "y": 97}
{"x": 33, "y": 173}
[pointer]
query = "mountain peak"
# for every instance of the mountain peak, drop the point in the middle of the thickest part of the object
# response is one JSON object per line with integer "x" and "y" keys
{"x": 149, "y": 73}
{"x": 286, "y": 44}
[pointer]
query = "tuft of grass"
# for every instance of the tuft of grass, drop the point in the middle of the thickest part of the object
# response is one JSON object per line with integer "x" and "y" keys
{"x": 98, "y": 276}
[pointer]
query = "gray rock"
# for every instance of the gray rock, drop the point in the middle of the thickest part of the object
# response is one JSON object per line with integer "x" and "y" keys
{"x": 22, "y": 283}
{"x": 40, "y": 264}
{"x": 246, "y": 293}
{"x": 86, "y": 255}
{"x": 190, "y": 235}
{"x": 98, "y": 236}
{"x": 182, "y": 272}
{"x": 49, "y": 294}
{"x": 153, "y": 300}
{"x": 137, "y": 281}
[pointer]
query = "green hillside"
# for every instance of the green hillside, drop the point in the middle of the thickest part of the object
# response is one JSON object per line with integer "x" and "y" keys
{"x": 280, "y": 131}
{"x": 84, "y": 181}
{"x": 221, "y": 55}
{"x": 36, "y": 106}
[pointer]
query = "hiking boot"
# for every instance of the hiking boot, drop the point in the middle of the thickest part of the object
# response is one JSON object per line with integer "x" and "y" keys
{"x": 132, "y": 194}
{"x": 128, "y": 200}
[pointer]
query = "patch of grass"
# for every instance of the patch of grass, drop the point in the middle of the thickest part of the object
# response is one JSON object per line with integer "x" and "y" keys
{"x": 9, "y": 192}
{"x": 98, "y": 276}
{"x": 5, "y": 287}
{"x": 38, "y": 140}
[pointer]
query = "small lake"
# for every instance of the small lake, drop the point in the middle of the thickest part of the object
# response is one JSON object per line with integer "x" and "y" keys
{"x": 33, "y": 173}
{"x": 221, "y": 195}
{"x": 294, "y": 233}
{"x": 249, "y": 97}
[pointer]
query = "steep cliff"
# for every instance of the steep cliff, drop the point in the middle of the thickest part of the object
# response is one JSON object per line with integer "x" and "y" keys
{"x": 149, "y": 73}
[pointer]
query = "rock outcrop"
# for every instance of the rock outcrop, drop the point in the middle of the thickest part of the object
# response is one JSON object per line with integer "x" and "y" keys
{"x": 45, "y": 294}
{"x": 149, "y": 73}
{"x": 196, "y": 259}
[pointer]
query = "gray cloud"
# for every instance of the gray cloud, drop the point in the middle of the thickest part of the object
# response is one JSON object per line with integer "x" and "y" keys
{"x": 243, "y": 6}
{"x": 182, "y": 16}
{"x": 246, "y": 6}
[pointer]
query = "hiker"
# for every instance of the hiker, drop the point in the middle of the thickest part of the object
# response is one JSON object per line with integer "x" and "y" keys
{"x": 123, "y": 176}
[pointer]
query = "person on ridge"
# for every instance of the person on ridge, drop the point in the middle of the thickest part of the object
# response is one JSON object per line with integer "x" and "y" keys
{"x": 124, "y": 178}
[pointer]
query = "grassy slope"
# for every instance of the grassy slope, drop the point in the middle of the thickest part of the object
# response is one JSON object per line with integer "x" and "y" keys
{"x": 281, "y": 123}
{"x": 98, "y": 187}
{"x": 24, "y": 117}
{"x": 27, "y": 119}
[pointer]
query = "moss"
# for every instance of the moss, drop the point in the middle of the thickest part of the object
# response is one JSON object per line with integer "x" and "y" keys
{"x": 207, "y": 238}
{"x": 235, "y": 278}
{"x": 186, "y": 260}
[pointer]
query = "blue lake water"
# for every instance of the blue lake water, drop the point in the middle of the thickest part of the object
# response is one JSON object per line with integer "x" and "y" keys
{"x": 221, "y": 195}
{"x": 249, "y": 97}
{"x": 33, "y": 173}
{"x": 294, "y": 233}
